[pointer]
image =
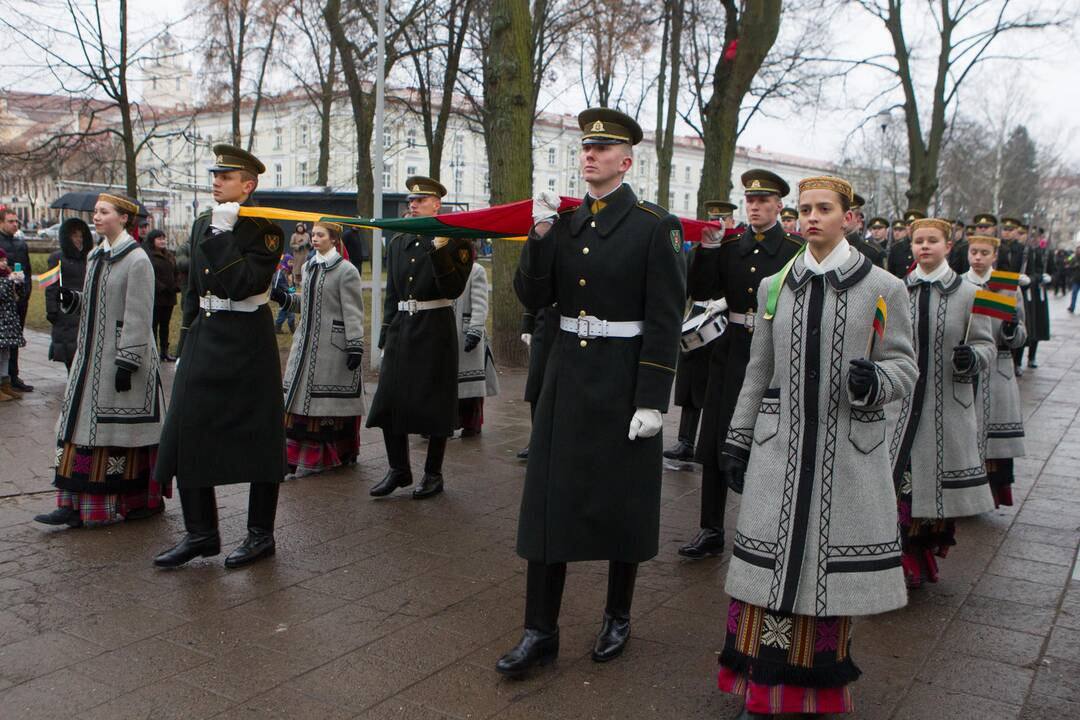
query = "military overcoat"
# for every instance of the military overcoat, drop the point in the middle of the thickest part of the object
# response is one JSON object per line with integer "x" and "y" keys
{"x": 538, "y": 323}
{"x": 1040, "y": 263}
{"x": 590, "y": 492}
{"x": 225, "y": 420}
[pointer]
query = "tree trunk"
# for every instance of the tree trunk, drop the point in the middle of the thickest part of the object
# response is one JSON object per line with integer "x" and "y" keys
{"x": 673, "y": 25}
{"x": 327, "y": 102}
{"x": 131, "y": 172}
{"x": 756, "y": 31}
{"x": 237, "y": 70}
{"x": 508, "y": 121}
{"x": 259, "y": 84}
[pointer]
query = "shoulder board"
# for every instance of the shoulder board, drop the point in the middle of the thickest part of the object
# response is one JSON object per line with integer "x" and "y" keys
{"x": 203, "y": 214}
{"x": 261, "y": 222}
{"x": 568, "y": 210}
{"x": 731, "y": 237}
{"x": 652, "y": 209}
{"x": 797, "y": 239}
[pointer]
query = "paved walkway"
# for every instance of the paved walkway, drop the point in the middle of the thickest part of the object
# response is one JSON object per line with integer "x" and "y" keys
{"x": 398, "y": 609}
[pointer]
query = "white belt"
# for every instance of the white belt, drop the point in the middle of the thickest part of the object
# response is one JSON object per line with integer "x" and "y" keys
{"x": 593, "y": 327}
{"x": 701, "y": 304}
{"x": 212, "y": 303}
{"x": 414, "y": 306}
{"x": 744, "y": 319}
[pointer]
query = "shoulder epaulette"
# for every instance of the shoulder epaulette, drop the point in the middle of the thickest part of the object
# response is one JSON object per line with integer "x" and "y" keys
{"x": 728, "y": 239}
{"x": 261, "y": 222}
{"x": 570, "y": 209}
{"x": 205, "y": 213}
{"x": 797, "y": 239}
{"x": 652, "y": 209}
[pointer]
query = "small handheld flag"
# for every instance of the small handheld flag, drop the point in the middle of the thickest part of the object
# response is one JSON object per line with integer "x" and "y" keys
{"x": 996, "y": 305}
{"x": 881, "y": 311}
{"x": 1003, "y": 280}
{"x": 48, "y": 277}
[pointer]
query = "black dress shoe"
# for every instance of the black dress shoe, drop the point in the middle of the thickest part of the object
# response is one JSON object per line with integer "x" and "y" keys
{"x": 682, "y": 451}
{"x": 709, "y": 542}
{"x": 257, "y": 545}
{"x": 61, "y": 516}
{"x": 393, "y": 480}
{"x": 1031, "y": 364}
{"x": 432, "y": 484}
{"x": 534, "y": 648}
{"x": 191, "y": 547}
{"x": 612, "y": 639}
{"x": 523, "y": 454}
{"x": 19, "y": 385}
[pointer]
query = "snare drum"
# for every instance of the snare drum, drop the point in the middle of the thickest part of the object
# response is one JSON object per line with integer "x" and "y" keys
{"x": 699, "y": 331}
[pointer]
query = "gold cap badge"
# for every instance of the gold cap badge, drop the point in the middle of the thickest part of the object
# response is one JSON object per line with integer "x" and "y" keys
{"x": 597, "y": 126}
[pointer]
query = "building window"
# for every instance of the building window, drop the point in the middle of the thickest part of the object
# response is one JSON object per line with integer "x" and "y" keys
{"x": 410, "y": 137}
{"x": 459, "y": 181}
{"x": 303, "y": 134}
{"x": 687, "y": 173}
{"x": 674, "y": 171}
{"x": 572, "y": 155}
{"x": 387, "y": 138}
{"x": 277, "y": 138}
{"x": 573, "y": 185}
{"x": 277, "y": 174}
{"x": 459, "y": 145}
{"x": 552, "y": 152}
{"x": 410, "y": 171}
{"x": 671, "y": 200}
{"x": 302, "y": 172}
{"x": 551, "y": 184}
{"x": 386, "y": 179}
{"x": 686, "y": 201}
{"x": 177, "y": 83}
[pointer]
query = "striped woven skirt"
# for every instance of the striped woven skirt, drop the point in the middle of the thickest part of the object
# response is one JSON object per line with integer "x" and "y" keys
{"x": 105, "y": 484}
{"x": 321, "y": 443}
{"x": 784, "y": 663}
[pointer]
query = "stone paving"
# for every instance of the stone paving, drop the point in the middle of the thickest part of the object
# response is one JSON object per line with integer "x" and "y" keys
{"x": 399, "y": 609}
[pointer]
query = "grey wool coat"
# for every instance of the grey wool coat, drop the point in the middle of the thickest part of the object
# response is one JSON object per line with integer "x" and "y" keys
{"x": 317, "y": 382}
{"x": 476, "y": 369}
{"x": 936, "y": 429}
{"x": 1000, "y": 413}
{"x": 115, "y": 309}
{"x": 817, "y": 532}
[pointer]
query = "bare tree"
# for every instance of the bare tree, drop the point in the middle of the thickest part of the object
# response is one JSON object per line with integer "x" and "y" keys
{"x": 967, "y": 34}
{"x": 670, "y": 62}
{"x": 614, "y": 36}
{"x": 317, "y": 73}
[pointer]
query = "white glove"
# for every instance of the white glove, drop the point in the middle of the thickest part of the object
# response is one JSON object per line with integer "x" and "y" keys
{"x": 545, "y": 207}
{"x": 711, "y": 237}
{"x": 1024, "y": 280}
{"x": 527, "y": 339}
{"x": 223, "y": 217}
{"x": 715, "y": 307}
{"x": 645, "y": 423}
{"x": 1046, "y": 279}
{"x": 440, "y": 242}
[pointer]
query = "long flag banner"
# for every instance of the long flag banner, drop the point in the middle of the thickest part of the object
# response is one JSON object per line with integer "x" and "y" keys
{"x": 512, "y": 220}
{"x": 48, "y": 277}
{"x": 995, "y": 305}
{"x": 1003, "y": 280}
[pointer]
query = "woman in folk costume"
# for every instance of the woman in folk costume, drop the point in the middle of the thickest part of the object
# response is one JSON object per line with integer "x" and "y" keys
{"x": 110, "y": 418}
{"x": 1002, "y": 417}
{"x": 476, "y": 365}
{"x": 324, "y": 386}
{"x": 816, "y": 540}
{"x": 937, "y": 467}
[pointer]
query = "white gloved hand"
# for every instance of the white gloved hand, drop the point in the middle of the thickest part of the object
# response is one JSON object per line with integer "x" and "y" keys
{"x": 527, "y": 339}
{"x": 645, "y": 423}
{"x": 715, "y": 307}
{"x": 711, "y": 237}
{"x": 545, "y": 207}
{"x": 223, "y": 217}
{"x": 1024, "y": 280}
{"x": 1046, "y": 279}
{"x": 440, "y": 242}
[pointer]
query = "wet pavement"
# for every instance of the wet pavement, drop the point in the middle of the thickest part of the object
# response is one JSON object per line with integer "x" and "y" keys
{"x": 399, "y": 609}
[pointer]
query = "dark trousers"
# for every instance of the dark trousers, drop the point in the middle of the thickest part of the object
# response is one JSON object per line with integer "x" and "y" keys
{"x": 713, "y": 496}
{"x": 13, "y": 356}
{"x": 688, "y": 424}
{"x": 199, "y": 507}
{"x": 544, "y": 584}
{"x": 1018, "y": 354}
{"x": 162, "y": 316}
{"x": 397, "y": 453}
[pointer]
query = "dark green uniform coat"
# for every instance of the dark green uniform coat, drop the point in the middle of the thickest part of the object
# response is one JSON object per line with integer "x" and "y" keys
{"x": 418, "y": 379}
{"x": 225, "y": 422}
{"x": 540, "y": 325}
{"x": 900, "y": 258}
{"x": 590, "y": 492}
{"x": 733, "y": 271}
{"x": 867, "y": 247}
{"x": 1040, "y": 262}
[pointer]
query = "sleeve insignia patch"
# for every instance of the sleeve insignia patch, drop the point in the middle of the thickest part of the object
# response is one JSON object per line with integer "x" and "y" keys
{"x": 273, "y": 242}
{"x": 676, "y": 240}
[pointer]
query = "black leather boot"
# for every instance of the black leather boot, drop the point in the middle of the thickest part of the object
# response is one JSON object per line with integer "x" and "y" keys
{"x": 432, "y": 484}
{"x": 393, "y": 480}
{"x": 399, "y": 475}
{"x": 199, "y": 506}
{"x": 523, "y": 454}
{"x": 539, "y": 644}
{"x": 709, "y": 542}
{"x": 60, "y": 516}
{"x": 615, "y": 632}
{"x": 683, "y": 451}
{"x": 262, "y": 510}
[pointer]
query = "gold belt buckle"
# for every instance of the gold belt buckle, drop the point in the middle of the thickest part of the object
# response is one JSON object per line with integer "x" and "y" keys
{"x": 750, "y": 321}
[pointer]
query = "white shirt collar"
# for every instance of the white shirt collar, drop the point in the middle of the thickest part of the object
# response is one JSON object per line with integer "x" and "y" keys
{"x": 107, "y": 246}
{"x": 836, "y": 257}
{"x": 977, "y": 278}
{"x": 941, "y": 271}
{"x": 331, "y": 255}
{"x": 617, "y": 187}
{"x": 762, "y": 232}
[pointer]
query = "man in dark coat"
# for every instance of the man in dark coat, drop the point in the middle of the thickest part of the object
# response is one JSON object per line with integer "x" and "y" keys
{"x": 1040, "y": 271}
{"x": 900, "y": 257}
{"x": 958, "y": 256}
{"x": 225, "y": 421}
{"x": 615, "y": 267}
{"x": 417, "y": 392}
{"x": 17, "y": 252}
{"x": 855, "y": 234}
{"x": 732, "y": 269}
{"x": 692, "y": 371}
{"x": 538, "y": 331}
{"x": 75, "y": 244}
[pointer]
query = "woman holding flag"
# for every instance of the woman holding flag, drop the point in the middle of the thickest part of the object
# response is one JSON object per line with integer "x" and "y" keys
{"x": 937, "y": 469}
{"x": 110, "y": 418}
{"x": 1002, "y": 417}
{"x": 817, "y": 538}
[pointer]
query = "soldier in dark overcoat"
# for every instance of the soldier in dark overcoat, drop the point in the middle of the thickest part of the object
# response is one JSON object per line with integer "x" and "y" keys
{"x": 418, "y": 378}
{"x": 224, "y": 423}
{"x": 732, "y": 269}
{"x": 1040, "y": 272}
{"x": 615, "y": 267}
{"x": 856, "y": 234}
{"x": 538, "y": 331}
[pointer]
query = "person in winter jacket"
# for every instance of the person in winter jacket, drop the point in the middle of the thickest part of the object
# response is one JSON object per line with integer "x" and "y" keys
{"x": 75, "y": 244}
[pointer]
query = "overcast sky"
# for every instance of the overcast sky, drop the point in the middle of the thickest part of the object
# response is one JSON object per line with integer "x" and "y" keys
{"x": 1046, "y": 82}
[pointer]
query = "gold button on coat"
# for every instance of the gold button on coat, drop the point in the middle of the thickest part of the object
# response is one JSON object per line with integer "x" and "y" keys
{"x": 581, "y": 282}
{"x": 581, "y": 314}
{"x": 206, "y": 271}
{"x": 584, "y": 343}
{"x": 584, "y": 251}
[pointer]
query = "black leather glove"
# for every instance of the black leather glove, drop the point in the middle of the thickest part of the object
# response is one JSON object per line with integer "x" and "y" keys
{"x": 472, "y": 339}
{"x": 734, "y": 473}
{"x": 52, "y": 317}
{"x": 863, "y": 378}
{"x": 1008, "y": 329}
{"x": 382, "y": 337}
{"x": 354, "y": 359}
{"x": 963, "y": 360}
{"x": 279, "y": 296}
{"x": 66, "y": 296}
{"x": 123, "y": 379}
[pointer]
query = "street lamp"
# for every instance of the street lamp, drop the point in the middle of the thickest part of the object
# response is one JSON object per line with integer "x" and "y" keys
{"x": 884, "y": 118}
